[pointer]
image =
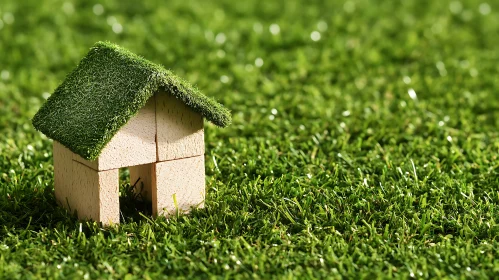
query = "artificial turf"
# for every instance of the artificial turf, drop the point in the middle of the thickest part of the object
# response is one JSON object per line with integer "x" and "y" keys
{"x": 364, "y": 141}
{"x": 107, "y": 88}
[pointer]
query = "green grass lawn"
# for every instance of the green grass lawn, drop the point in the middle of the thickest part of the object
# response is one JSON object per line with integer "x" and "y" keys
{"x": 364, "y": 142}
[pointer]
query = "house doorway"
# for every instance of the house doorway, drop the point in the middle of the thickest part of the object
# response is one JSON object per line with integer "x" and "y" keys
{"x": 133, "y": 205}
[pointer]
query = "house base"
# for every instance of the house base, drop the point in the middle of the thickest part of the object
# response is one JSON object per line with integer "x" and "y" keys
{"x": 173, "y": 186}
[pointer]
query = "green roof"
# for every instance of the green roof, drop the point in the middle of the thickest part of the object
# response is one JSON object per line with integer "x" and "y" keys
{"x": 107, "y": 88}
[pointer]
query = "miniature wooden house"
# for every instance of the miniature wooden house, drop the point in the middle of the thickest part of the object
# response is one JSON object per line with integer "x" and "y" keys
{"x": 118, "y": 110}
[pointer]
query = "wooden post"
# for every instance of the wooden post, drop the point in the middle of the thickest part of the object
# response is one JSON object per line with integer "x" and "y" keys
{"x": 178, "y": 185}
{"x": 92, "y": 194}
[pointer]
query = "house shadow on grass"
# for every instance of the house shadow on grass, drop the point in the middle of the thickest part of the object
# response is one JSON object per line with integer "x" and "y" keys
{"x": 35, "y": 209}
{"x": 32, "y": 209}
{"x": 26, "y": 211}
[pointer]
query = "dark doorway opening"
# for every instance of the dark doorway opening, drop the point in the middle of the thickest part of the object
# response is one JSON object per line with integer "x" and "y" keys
{"x": 133, "y": 206}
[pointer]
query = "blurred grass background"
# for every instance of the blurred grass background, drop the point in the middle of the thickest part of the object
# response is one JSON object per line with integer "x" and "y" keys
{"x": 364, "y": 142}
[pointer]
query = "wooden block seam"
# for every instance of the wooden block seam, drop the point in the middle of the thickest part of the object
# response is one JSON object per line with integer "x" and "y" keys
{"x": 202, "y": 155}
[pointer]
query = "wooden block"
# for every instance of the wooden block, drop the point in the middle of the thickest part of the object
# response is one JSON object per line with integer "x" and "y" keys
{"x": 109, "y": 197}
{"x": 179, "y": 129}
{"x": 182, "y": 180}
{"x": 133, "y": 144}
{"x": 63, "y": 168}
{"x": 92, "y": 194}
{"x": 95, "y": 194}
{"x": 142, "y": 173}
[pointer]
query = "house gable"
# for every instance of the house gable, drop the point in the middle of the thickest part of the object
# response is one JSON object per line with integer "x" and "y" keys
{"x": 164, "y": 129}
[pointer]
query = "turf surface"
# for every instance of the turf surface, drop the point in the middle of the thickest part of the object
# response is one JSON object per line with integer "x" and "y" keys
{"x": 364, "y": 140}
{"x": 107, "y": 88}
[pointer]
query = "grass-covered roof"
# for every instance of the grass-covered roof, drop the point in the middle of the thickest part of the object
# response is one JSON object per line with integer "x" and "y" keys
{"x": 107, "y": 88}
